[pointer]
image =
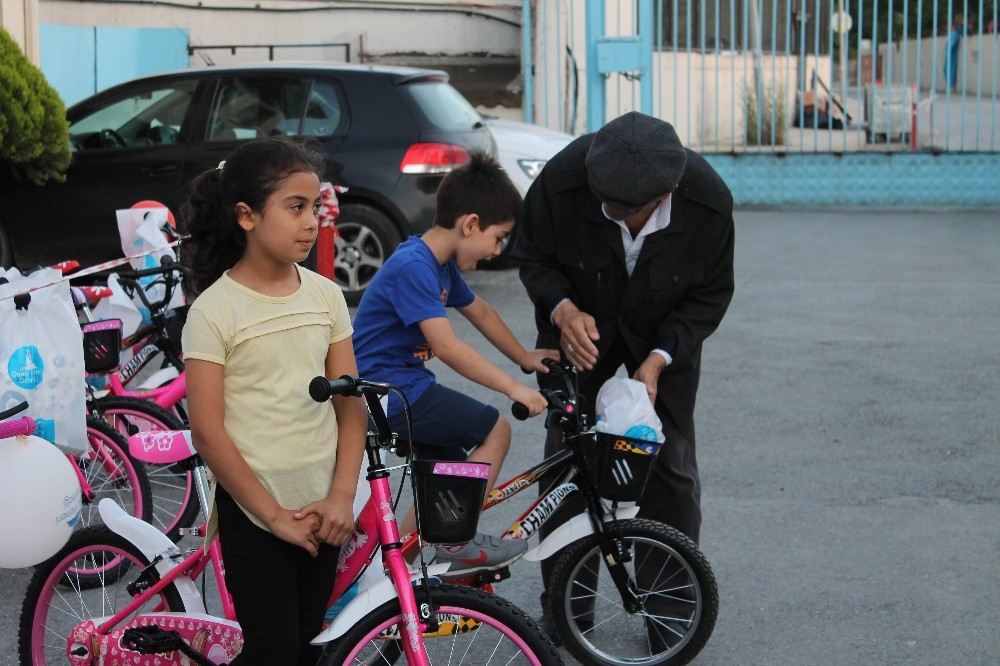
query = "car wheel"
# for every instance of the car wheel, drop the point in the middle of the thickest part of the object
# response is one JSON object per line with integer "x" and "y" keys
{"x": 6, "y": 250}
{"x": 365, "y": 239}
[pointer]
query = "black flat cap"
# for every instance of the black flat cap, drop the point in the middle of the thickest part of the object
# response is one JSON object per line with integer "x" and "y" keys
{"x": 634, "y": 159}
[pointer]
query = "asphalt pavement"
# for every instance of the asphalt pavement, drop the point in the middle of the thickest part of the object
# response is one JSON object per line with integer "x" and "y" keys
{"x": 848, "y": 437}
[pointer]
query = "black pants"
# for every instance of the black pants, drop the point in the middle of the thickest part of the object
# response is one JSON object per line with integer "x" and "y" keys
{"x": 279, "y": 590}
{"x": 673, "y": 493}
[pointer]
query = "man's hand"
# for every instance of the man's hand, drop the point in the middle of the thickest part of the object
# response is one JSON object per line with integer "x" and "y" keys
{"x": 533, "y": 360}
{"x": 579, "y": 332}
{"x": 300, "y": 532}
{"x": 336, "y": 519}
{"x": 649, "y": 374}
{"x": 530, "y": 398}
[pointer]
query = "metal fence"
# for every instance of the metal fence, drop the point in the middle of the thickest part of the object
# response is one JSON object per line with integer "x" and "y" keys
{"x": 774, "y": 76}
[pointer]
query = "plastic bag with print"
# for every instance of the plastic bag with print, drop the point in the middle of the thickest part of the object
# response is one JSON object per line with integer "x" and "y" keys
{"x": 623, "y": 408}
{"x": 41, "y": 356}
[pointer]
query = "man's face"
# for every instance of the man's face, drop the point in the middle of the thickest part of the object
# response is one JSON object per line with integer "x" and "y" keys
{"x": 632, "y": 215}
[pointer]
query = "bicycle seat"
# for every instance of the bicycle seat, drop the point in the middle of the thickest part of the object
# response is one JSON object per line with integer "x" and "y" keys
{"x": 163, "y": 447}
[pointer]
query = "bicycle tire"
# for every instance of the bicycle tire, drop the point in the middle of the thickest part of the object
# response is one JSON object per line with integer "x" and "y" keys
{"x": 56, "y": 601}
{"x": 174, "y": 500}
{"x": 503, "y": 631}
{"x": 601, "y": 633}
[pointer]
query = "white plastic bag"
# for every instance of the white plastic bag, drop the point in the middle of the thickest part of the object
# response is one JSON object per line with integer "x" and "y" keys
{"x": 41, "y": 357}
{"x": 623, "y": 408}
{"x": 141, "y": 233}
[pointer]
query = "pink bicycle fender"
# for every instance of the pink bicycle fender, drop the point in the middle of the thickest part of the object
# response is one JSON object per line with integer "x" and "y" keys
{"x": 162, "y": 447}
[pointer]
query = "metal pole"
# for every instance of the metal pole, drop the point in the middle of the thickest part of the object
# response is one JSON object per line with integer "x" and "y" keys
{"x": 527, "y": 66}
{"x": 595, "y": 81}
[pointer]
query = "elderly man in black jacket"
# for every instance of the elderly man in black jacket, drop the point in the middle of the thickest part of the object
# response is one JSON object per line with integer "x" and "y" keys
{"x": 626, "y": 250}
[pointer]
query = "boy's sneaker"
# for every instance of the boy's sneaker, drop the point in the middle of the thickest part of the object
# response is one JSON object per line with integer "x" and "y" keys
{"x": 483, "y": 553}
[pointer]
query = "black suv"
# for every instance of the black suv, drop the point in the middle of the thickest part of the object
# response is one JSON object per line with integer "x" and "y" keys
{"x": 389, "y": 134}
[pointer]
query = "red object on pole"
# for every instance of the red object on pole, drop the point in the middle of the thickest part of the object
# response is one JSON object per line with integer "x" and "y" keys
{"x": 326, "y": 250}
{"x": 326, "y": 236}
{"x": 913, "y": 118}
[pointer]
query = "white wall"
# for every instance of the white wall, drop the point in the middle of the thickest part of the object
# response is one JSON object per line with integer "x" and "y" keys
{"x": 979, "y": 55}
{"x": 493, "y": 30}
{"x": 20, "y": 19}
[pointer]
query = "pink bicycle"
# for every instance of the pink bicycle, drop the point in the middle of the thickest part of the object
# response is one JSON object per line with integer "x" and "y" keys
{"x": 157, "y": 615}
{"x": 158, "y": 404}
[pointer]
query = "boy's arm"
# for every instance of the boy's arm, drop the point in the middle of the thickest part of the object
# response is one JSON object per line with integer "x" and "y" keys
{"x": 466, "y": 361}
{"x": 487, "y": 321}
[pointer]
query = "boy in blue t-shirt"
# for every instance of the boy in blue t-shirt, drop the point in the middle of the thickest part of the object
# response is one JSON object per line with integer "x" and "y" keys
{"x": 402, "y": 322}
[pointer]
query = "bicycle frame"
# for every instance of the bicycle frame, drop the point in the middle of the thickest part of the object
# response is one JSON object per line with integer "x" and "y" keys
{"x": 377, "y": 518}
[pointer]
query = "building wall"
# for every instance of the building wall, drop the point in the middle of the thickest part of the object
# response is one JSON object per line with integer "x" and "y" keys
{"x": 20, "y": 19}
{"x": 372, "y": 31}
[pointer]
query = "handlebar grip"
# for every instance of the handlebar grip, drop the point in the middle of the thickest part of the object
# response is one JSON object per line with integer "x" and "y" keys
{"x": 520, "y": 411}
{"x": 16, "y": 409}
{"x": 22, "y": 426}
{"x": 322, "y": 389}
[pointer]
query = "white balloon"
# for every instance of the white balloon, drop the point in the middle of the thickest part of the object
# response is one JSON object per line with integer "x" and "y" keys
{"x": 39, "y": 501}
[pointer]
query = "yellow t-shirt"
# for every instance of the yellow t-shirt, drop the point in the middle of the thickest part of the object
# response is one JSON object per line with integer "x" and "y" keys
{"x": 271, "y": 347}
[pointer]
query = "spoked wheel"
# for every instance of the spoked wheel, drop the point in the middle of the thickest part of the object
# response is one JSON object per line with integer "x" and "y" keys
{"x": 58, "y": 599}
{"x": 675, "y": 584}
{"x": 108, "y": 470}
{"x": 475, "y": 628}
{"x": 174, "y": 501}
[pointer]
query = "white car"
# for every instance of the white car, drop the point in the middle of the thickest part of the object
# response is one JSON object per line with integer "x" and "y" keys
{"x": 524, "y": 149}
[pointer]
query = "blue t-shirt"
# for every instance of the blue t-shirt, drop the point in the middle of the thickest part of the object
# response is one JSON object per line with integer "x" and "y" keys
{"x": 409, "y": 288}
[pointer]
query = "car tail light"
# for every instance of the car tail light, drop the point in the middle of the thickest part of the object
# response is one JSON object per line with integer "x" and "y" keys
{"x": 426, "y": 158}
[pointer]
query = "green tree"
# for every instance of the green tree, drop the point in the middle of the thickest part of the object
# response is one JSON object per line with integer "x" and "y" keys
{"x": 34, "y": 135}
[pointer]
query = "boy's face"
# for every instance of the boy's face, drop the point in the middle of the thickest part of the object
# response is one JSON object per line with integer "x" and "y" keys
{"x": 478, "y": 244}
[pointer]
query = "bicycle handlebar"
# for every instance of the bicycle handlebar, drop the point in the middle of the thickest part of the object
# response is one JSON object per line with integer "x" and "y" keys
{"x": 13, "y": 428}
{"x": 322, "y": 389}
{"x": 562, "y": 402}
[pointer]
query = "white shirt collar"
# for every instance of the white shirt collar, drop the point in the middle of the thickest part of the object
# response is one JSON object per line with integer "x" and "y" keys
{"x": 658, "y": 221}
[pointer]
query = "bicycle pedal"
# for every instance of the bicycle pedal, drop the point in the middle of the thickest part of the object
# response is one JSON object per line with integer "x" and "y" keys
{"x": 151, "y": 640}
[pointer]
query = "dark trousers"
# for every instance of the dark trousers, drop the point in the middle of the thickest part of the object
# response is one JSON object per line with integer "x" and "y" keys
{"x": 279, "y": 590}
{"x": 673, "y": 493}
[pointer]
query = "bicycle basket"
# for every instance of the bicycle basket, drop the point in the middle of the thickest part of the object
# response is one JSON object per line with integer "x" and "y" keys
{"x": 449, "y": 497}
{"x": 102, "y": 342}
{"x": 620, "y": 466}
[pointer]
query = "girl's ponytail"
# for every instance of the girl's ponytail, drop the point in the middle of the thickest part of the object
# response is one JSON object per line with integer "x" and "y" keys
{"x": 249, "y": 176}
{"x": 216, "y": 242}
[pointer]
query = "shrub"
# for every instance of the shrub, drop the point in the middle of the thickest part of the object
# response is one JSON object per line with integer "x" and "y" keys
{"x": 773, "y": 122}
{"x": 34, "y": 135}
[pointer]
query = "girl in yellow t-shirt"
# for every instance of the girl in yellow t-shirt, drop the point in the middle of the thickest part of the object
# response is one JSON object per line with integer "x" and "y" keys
{"x": 261, "y": 328}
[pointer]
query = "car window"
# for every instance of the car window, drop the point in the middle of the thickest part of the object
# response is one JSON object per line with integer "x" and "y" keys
{"x": 148, "y": 117}
{"x": 253, "y": 107}
{"x": 443, "y": 106}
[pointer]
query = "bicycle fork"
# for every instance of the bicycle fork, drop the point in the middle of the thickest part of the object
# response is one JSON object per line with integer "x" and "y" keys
{"x": 414, "y": 617}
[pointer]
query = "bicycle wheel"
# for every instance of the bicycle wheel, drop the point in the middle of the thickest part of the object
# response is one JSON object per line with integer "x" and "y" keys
{"x": 56, "y": 601}
{"x": 674, "y": 582}
{"x": 475, "y": 628}
{"x": 174, "y": 500}
{"x": 108, "y": 470}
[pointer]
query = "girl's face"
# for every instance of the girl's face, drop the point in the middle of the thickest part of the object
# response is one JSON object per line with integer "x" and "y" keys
{"x": 286, "y": 229}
